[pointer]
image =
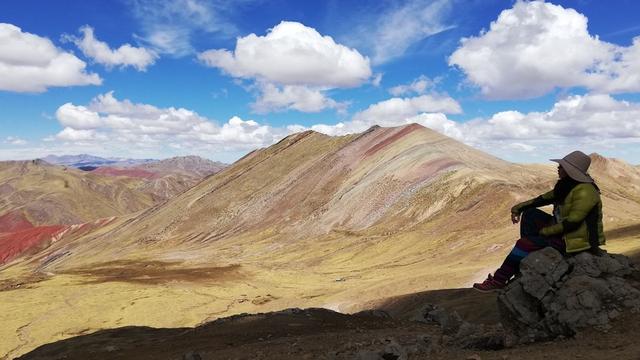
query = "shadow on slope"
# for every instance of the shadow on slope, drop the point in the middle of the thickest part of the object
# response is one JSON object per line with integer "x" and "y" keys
{"x": 321, "y": 333}
{"x": 623, "y": 232}
{"x": 286, "y": 334}
{"x": 154, "y": 272}
{"x": 473, "y": 306}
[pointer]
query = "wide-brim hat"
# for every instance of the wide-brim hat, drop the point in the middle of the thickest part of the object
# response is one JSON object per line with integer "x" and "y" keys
{"x": 576, "y": 165}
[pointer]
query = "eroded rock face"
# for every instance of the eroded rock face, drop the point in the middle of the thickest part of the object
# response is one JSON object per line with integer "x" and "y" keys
{"x": 558, "y": 296}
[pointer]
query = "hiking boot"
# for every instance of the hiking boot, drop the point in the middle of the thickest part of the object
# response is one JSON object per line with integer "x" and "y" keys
{"x": 489, "y": 285}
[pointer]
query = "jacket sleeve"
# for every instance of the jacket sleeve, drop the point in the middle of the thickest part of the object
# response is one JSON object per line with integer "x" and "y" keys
{"x": 542, "y": 200}
{"x": 583, "y": 199}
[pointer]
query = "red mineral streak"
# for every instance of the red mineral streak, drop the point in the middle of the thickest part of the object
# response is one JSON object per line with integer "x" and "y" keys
{"x": 14, "y": 221}
{"x": 16, "y": 243}
{"x": 384, "y": 143}
{"x": 433, "y": 167}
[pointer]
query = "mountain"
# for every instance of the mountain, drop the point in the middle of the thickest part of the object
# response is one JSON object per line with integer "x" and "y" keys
{"x": 166, "y": 178}
{"x": 187, "y": 165}
{"x": 616, "y": 171}
{"x": 312, "y": 221}
{"x": 49, "y": 194}
{"x": 85, "y": 160}
{"x": 40, "y": 201}
{"x": 310, "y": 184}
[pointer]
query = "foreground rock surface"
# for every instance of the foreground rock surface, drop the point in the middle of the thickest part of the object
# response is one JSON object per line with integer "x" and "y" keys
{"x": 557, "y": 296}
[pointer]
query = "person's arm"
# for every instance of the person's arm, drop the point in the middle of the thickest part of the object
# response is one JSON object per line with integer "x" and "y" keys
{"x": 584, "y": 198}
{"x": 542, "y": 200}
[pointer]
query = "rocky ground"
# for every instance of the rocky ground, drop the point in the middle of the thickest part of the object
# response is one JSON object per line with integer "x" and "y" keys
{"x": 575, "y": 298}
{"x": 323, "y": 334}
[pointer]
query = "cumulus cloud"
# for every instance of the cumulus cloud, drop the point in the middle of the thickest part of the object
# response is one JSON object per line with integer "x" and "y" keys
{"x": 301, "y": 98}
{"x": 78, "y": 117}
{"x": 392, "y": 112}
{"x": 575, "y": 118}
{"x": 292, "y": 54}
{"x": 71, "y": 134}
{"x": 398, "y": 109}
{"x": 293, "y": 65}
{"x": 417, "y": 86}
{"x": 536, "y": 47}
{"x": 124, "y": 124}
{"x": 30, "y": 63}
{"x": 592, "y": 116}
{"x": 591, "y": 121}
{"x": 126, "y": 55}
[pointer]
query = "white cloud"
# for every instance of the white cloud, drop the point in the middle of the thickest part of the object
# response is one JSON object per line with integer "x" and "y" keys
{"x": 623, "y": 74}
{"x": 170, "y": 40}
{"x": 595, "y": 123}
{"x": 292, "y": 54}
{"x": 292, "y": 66}
{"x": 592, "y": 123}
{"x": 536, "y": 47}
{"x": 169, "y": 25}
{"x": 30, "y": 63}
{"x": 299, "y": 98}
{"x": 393, "y": 112}
{"x": 107, "y": 121}
{"x": 440, "y": 123}
{"x": 388, "y": 33}
{"x": 575, "y": 117}
{"x": 14, "y": 140}
{"x": 70, "y": 134}
{"x": 78, "y": 117}
{"x": 126, "y": 55}
{"x": 418, "y": 86}
{"x": 406, "y": 25}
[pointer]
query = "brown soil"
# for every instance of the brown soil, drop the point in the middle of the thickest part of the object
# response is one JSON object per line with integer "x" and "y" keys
{"x": 22, "y": 282}
{"x": 154, "y": 272}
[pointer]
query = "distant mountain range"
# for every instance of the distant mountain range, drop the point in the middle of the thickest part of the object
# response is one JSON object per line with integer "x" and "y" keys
{"x": 86, "y": 160}
{"x": 39, "y": 200}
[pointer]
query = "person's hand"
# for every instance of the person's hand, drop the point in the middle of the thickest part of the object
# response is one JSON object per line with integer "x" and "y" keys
{"x": 515, "y": 217}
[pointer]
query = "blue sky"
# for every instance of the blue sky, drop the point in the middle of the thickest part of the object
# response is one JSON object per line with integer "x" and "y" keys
{"x": 523, "y": 80}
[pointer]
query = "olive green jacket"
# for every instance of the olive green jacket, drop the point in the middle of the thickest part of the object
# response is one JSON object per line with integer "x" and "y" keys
{"x": 578, "y": 217}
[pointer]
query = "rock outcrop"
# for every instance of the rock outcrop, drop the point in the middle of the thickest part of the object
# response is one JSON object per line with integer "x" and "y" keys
{"x": 460, "y": 333}
{"x": 557, "y": 296}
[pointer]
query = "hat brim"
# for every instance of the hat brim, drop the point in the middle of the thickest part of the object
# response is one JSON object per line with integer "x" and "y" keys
{"x": 573, "y": 172}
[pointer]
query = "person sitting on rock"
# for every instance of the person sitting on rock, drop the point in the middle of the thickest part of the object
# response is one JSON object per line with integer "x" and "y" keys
{"x": 576, "y": 224}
